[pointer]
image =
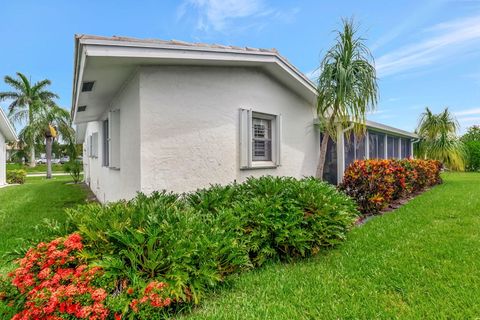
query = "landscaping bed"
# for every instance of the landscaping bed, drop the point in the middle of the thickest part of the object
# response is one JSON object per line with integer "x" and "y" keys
{"x": 420, "y": 262}
{"x": 162, "y": 253}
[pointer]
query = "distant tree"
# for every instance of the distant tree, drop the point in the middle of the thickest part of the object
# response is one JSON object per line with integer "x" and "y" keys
{"x": 50, "y": 122}
{"x": 471, "y": 140}
{"x": 26, "y": 98}
{"x": 347, "y": 88}
{"x": 438, "y": 139}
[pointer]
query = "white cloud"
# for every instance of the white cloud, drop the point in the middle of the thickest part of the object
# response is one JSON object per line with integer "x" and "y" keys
{"x": 217, "y": 15}
{"x": 446, "y": 39}
{"x": 468, "y": 112}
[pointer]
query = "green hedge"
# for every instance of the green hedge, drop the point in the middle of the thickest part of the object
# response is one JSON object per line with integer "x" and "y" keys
{"x": 191, "y": 242}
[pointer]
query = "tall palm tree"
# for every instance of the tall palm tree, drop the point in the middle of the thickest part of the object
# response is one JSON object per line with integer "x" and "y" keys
{"x": 347, "y": 88}
{"x": 26, "y": 98}
{"x": 438, "y": 139}
{"x": 50, "y": 122}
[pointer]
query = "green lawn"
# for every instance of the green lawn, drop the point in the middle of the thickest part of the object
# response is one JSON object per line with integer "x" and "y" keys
{"x": 39, "y": 168}
{"x": 420, "y": 262}
{"x": 23, "y": 207}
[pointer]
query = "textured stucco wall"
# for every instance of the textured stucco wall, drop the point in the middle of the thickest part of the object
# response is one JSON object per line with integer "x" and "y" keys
{"x": 3, "y": 157}
{"x": 190, "y": 126}
{"x": 111, "y": 184}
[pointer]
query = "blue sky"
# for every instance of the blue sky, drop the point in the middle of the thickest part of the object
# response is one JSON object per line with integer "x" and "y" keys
{"x": 427, "y": 52}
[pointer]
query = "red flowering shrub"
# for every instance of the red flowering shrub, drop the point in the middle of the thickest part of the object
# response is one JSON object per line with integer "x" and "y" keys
{"x": 154, "y": 297}
{"x": 374, "y": 184}
{"x": 53, "y": 284}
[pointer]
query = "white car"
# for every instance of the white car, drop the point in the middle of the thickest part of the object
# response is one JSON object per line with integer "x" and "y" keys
{"x": 64, "y": 159}
{"x": 41, "y": 161}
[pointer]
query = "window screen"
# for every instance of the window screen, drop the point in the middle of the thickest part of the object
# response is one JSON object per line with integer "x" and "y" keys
{"x": 360, "y": 148}
{"x": 372, "y": 145}
{"x": 396, "y": 148}
{"x": 405, "y": 148}
{"x": 390, "y": 147}
{"x": 261, "y": 139}
{"x": 349, "y": 142}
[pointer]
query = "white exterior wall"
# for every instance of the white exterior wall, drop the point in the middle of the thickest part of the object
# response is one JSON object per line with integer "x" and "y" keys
{"x": 190, "y": 126}
{"x": 112, "y": 184}
{"x": 3, "y": 159}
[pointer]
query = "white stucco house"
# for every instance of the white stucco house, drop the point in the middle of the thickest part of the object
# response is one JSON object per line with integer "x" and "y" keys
{"x": 179, "y": 116}
{"x": 7, "y": 133}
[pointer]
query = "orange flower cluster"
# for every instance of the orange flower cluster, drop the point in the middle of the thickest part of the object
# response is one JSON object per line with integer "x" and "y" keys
{"x": 55, "y": 284}
{"x": 154, "y": 296}
{"x": 374, "y": 184}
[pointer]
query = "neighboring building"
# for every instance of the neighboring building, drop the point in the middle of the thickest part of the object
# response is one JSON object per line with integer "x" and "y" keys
{"x": 178, "y": 116}
{"x": 7, "y": 133}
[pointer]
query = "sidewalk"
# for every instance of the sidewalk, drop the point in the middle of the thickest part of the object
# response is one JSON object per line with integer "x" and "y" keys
{"x": 41, "y": 174}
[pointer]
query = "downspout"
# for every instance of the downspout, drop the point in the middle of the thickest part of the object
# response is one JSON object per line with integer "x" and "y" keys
{"x": 341, "y": 152}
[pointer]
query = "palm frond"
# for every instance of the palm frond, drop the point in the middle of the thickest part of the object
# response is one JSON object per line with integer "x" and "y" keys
{"x": 347, "y": 85}
{"x": 438, "y": 139}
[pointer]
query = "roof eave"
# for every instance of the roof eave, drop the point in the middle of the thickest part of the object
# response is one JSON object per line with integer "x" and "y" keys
{"x": 83, "y": 43}
{"x": 9, "y": 133}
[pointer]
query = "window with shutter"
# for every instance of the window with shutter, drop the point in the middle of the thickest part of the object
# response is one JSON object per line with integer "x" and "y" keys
{"x": 260, "y": 135}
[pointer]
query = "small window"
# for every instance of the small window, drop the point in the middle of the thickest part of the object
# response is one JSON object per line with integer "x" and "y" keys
{"x": 106, "y": 143}
{"x": 262, "y": 139}
{"x": 259, "y": 139}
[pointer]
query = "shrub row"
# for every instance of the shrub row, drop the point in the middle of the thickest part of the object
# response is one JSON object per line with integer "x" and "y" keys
{"x": 375, "y": 184}
{"x": 160, "y": 253}
{"x": 16, "y": 176}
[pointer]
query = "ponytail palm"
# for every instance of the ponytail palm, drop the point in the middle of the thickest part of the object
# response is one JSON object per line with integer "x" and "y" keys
{"x": 347, "y": 88}
{"x": 438, "y": 139}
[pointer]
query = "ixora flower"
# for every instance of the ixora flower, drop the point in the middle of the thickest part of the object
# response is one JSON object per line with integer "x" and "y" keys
{"x": 154, "y": 296}
{"x": 54, "y": 284}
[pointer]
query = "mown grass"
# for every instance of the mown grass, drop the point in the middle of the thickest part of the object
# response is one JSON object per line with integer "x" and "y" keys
{"x": 421, "y": 261}
{"x": 22, "y": 209}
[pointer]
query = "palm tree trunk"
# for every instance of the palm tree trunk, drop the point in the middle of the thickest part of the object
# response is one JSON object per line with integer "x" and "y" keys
{"x": 32, "y": 156}
{"x": 323, "y": 154}
{"x": 32, "y": 142}
{"x": 48, "y": 144}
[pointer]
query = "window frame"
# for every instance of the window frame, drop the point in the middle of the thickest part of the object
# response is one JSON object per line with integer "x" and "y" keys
{"x": 246, "y": 140}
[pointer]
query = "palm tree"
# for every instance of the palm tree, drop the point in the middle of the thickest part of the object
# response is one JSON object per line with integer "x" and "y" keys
{"x": 26, "y": 98}
{"x": 347, "y": 88}
{"x": 438, "y": 139}
{"x": 49, "y": 123}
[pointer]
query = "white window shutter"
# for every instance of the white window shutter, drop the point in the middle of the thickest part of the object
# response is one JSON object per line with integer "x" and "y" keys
{"x": 278, "y": 140}
{"x": 89, "y": 146}
{"x": 114, "y": 135}
{"x": 245, "y": 138}
{"x": 95, "y": 145}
